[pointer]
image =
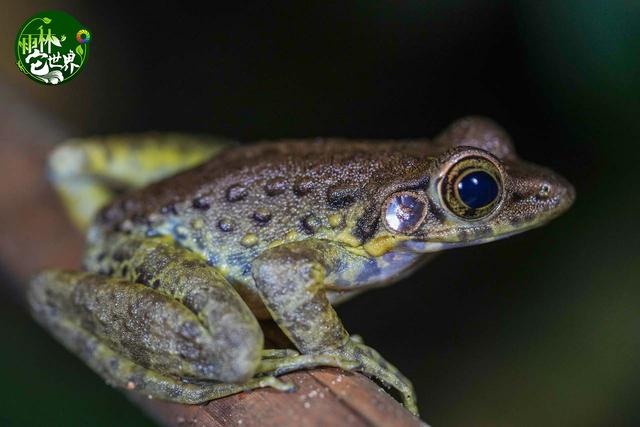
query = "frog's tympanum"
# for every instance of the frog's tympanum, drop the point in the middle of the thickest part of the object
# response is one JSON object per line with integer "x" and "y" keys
{"x": 191, "y": 242}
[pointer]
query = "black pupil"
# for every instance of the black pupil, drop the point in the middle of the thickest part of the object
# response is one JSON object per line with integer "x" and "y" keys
{"x": 477, "y": 189}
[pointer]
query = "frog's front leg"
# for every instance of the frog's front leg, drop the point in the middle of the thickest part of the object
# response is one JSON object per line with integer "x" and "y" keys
{"x": 292, "y": 280}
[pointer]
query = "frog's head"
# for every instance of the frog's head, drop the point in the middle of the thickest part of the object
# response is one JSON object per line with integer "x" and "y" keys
{"x": 478, "y": 191}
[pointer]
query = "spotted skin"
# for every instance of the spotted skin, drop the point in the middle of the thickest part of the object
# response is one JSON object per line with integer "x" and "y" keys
{"x": 179, "y": 271}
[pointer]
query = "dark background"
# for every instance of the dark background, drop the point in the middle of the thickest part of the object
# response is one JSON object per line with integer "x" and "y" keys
{"x": 539, "y": 329}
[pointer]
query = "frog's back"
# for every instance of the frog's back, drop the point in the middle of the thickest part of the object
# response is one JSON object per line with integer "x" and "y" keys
{"x": 285, "y": 178}
{"x": 246, "y": 199}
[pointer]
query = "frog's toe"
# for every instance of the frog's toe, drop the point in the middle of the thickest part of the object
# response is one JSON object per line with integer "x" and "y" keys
{"x": 275, "y": 383}
{"x": 370, "y": 363}
{"x": 277, "y": 353}
{"x": 283, "y": 365}
{"x": 357, "y": 339}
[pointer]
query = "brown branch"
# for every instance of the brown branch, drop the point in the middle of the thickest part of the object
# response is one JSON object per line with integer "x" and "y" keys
{"x": 35, "y": 234}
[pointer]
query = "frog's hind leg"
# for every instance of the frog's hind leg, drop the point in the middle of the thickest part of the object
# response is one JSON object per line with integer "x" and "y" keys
{"x": 136, "y": 323}
{"x": 120, "y": 371}
{"x": 88, "y": 173}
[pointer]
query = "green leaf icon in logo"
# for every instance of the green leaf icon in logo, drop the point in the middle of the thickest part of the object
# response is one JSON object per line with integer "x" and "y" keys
{"x": 79, "y": 50}
{"x": 46, "y": 20}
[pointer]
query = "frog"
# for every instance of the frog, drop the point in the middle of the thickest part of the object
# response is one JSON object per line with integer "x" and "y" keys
{"x": 194, "y": 242}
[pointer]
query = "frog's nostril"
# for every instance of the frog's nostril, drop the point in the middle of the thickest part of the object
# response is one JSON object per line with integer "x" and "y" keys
{"x": 545, "y": 191}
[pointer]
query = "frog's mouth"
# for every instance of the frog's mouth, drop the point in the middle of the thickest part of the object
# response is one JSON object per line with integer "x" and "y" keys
{"x": 424, "y": 247}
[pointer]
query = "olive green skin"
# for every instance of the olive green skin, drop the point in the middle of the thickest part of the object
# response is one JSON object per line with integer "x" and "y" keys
{"x": 274, "y": 230}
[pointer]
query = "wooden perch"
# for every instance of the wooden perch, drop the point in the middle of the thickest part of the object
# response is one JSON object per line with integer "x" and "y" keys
{"x": 34, "y": 233}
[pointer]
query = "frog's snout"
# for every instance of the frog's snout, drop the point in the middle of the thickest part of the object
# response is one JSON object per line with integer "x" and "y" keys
{"x": 559, "y": 192}
{"x": 534, "y": 195}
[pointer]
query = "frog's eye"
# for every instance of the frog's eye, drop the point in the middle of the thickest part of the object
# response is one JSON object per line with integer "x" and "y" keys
{"x": 472, "y": 187}
{"x": 404, "y": 212}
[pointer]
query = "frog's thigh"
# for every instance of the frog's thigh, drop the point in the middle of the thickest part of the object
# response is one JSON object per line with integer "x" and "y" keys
{"x": 137, "y": 325}
{"x": 290, "y": 279}
{"x": 88, "y": 173}
{"x": 234, "y": 336}
{"x": 119, "y": 371}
